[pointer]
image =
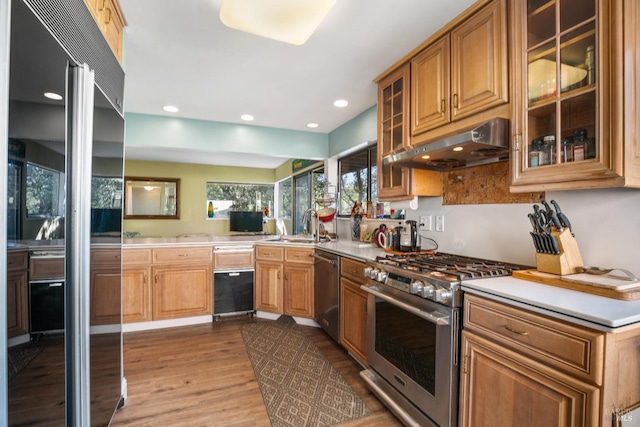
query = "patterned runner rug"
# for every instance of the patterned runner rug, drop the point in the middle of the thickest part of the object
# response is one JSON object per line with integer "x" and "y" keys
{"x": 299, "y": 385}
{"x": 20, "y": 356}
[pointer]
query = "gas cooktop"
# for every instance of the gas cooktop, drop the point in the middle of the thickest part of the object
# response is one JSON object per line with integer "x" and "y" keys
{"x": 456, "y": 267}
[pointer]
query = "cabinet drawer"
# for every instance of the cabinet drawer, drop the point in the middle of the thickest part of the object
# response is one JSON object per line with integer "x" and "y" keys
{"x": 271, "y": 253}
{"x": 106, "y": 256}
{"x": 575, "y": 350}
{"x": 299, "y": 255}
{"x": 136, "y": 256}
{"x": 353, "y": 269}
{"x": 47, "y": 267}
{"x": 227, "y": 260}
{"x": 182, "y": 255}
{"x": 17, "y": 260}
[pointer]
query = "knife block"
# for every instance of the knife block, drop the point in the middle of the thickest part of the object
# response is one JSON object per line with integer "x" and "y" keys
{"x": 568, "y": 261}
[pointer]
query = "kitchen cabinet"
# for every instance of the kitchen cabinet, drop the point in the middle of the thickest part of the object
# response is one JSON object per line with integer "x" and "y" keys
{"x": 17, "y": 308}
{"x": 461, "y": 74}
{"x": 573, "y": 128}
{"x": 394, "y": 182}
{"x": 167, "y": 283}
{"x": 520, "y": 365}
{"x": 353, "y": 309}
{"x": 108, "y": 16}
{"x": 105, "y": 286}
{"x": 284, "y": 280}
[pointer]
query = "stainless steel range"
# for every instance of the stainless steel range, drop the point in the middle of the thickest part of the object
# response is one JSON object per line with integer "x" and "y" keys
{"x": 413, "y": 332}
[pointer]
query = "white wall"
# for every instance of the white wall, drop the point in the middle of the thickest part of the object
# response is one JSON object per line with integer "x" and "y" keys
{"x": 606, "y": 223}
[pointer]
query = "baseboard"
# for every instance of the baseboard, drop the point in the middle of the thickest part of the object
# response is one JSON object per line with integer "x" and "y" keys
{"x": 169, "y": 323}
{"x": 299, "y": 320}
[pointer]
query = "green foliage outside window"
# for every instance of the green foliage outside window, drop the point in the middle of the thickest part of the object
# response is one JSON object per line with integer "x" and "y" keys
{"x": 241, "y": 197}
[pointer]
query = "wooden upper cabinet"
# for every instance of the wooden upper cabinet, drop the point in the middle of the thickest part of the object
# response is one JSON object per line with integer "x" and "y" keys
{"x": 576, "y": 116}
{"x": 479, "y": 67}
{"x": 462, "y": 73}
{"x": 111, "y": 22}
{"x": 431, "y": 85}
{"x": 393, "y": 133}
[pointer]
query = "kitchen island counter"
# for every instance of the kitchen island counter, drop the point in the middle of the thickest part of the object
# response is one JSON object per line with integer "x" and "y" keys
{"x": 593, "y": 311}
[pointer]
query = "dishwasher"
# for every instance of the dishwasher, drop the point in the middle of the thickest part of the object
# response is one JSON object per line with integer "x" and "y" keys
{"x": 46, "y": 291}
{"x": 327, "y": 292}
{"x": 233, "y": 281}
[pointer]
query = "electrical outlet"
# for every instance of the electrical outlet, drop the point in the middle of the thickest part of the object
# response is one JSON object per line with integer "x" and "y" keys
{"x": 425, "y": 222}
{"x": 440, "y": 223}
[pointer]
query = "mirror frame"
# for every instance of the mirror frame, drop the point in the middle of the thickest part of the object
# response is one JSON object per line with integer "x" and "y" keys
{"x": 129, "y": 179}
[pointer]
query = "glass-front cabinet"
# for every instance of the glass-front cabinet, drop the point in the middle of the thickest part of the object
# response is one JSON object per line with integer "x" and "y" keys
{"x": 393, "y": 133}
{"x": 570, "y": 109}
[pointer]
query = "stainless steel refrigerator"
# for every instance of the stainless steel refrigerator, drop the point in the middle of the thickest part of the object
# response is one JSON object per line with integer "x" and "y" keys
{"x": 63, "y": 168}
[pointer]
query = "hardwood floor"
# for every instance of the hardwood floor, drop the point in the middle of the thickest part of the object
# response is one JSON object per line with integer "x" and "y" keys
{"x": 201, "y": 376}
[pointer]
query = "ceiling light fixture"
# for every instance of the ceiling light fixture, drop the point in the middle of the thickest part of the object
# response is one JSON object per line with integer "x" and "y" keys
{"x": 312, "y": 125}
{"x": 53, "y": 95}
{"x": 246, "y": 117}
{"x": 458, "y": 149}
{"x": 340, "y": 103}
{"x": 170, "y": 109}
{"x": 289, "y": 21}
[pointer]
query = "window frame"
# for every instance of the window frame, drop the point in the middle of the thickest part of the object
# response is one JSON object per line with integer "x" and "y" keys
{"x": 371, "y": 151}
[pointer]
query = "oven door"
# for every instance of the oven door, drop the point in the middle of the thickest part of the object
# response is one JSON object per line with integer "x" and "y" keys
{"x": 412, "y": 344}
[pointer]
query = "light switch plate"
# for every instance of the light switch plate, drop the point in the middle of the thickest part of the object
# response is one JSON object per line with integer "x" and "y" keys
{"x": 440, "y": 223}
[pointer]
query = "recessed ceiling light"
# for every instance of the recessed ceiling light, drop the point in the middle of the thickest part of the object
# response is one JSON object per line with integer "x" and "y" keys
{"x": 246, "y": 117}
{"x": 458, "y": 149}
{"x": 312, "y": 125}
{"x": 170, "y": 109}
{"x": 426, "y": 157}
{"x": 340, "y": 103}
{"x": 52, "y": 95}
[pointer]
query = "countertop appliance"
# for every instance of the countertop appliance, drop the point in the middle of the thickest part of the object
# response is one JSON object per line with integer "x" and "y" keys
{"x": 233, "y": 286}
{"x": 327, "y": 292}
{"x": 413, "y": 331}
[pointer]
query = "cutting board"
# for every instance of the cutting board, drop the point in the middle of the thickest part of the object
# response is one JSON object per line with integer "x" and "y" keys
{"x": 606, "y": 285}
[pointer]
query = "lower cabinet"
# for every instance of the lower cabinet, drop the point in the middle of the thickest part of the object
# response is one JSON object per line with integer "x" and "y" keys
{"x": 353, "y": 309}
{"x": 17, "y": 307}
{"x": 181, "y": 291}
{"x": 105, "y": 282}
{"x": 166, "y": 283}
{"x": 505, "y": 388}
{"x": 523, "y": 368}
{"x": 284, "y": 280}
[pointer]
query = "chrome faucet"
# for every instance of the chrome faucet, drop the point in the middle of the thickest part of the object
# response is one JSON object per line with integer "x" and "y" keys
{"x": 316, "y": 223}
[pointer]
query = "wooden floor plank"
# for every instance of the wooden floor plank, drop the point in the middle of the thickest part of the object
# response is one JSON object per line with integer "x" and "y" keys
{"x": 201, "y": 376}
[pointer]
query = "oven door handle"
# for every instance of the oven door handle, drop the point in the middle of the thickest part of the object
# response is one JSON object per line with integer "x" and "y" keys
{"x": 438, "y": 320}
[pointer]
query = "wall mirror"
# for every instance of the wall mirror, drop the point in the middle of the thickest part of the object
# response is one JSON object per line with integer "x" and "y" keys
{"x": 151, "y": 198}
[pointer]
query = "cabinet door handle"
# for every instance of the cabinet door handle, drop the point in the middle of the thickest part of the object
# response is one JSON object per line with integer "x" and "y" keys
{"x": 443, "y": 108}
{"x": 278, "y": 274}
{"x": 108, "y": 21}
{"x": 455, "y": 100}
{"x": 156, "y": 278}
{"x": 103, "y": 6}
{"x": 510, "y": 329}
{"x": 183, "y": 254}
{"x": 144, "y": 279}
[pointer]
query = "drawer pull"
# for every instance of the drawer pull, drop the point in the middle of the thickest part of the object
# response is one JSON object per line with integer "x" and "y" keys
{"x": 510, "y": 329}
{"x": 183, "y": 254}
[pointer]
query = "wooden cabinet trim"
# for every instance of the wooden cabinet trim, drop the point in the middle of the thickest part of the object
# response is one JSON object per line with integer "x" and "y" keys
{"x": 353, "y": 269}
{"x": 353, "y": 319}
{"x": 132, "y": 256}
{"x": 106, "y": 256}
{"x": 227, "y": 260}
{"x": 17, "y": 260}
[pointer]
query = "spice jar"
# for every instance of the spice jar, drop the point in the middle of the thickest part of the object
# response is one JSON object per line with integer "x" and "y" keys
{"x": 534, "y": 153}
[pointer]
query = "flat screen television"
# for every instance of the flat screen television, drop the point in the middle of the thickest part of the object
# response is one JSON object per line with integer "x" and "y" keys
{"x": 245, "y": 221}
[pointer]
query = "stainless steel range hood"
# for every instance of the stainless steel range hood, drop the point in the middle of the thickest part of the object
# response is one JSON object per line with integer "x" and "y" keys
{"x": 482, "y": 144}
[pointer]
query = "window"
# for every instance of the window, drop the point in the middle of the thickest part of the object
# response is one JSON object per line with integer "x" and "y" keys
{"x": 239, "y": 197}
{"x": 285, "y": 199}
{"x": 358, "y": 180}
{"x": 43, "y": 194}
{"x": 106, "y": 192}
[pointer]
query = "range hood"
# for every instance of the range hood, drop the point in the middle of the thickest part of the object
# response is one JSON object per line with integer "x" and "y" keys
{"x": 486, "y": 143}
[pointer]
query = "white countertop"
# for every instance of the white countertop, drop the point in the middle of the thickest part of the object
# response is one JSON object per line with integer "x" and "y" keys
{"x": 600, "y": 313}
{"x": 357, "y": 250}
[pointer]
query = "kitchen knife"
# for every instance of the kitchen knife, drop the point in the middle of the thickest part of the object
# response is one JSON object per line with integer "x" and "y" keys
{"x": 537, "y": 240}
{"x": 553, "y": 219}
{"x": 562, "y": 217}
